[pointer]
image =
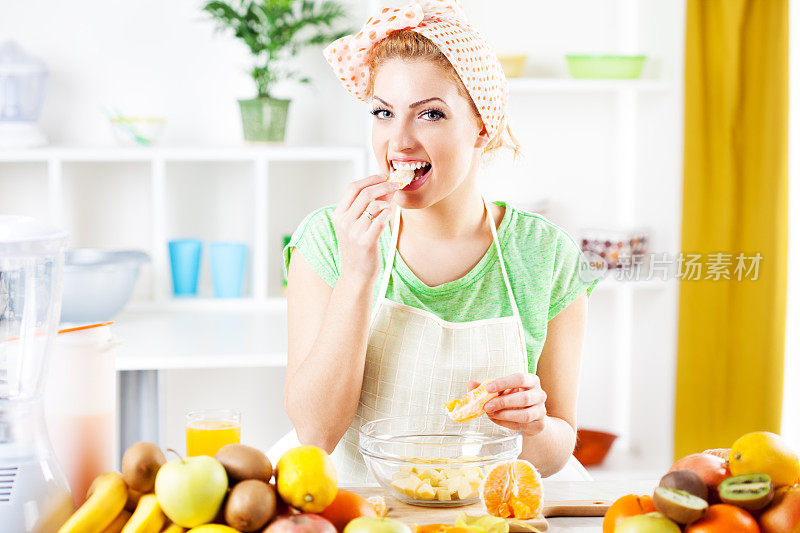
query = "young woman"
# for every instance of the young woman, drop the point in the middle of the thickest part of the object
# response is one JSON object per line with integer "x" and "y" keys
{"x": 400, "y": 299}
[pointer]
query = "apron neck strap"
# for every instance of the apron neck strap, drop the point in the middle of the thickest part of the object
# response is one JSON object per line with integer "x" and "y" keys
{"x": 496, "y": 242}
{"x": 392, "y": 251}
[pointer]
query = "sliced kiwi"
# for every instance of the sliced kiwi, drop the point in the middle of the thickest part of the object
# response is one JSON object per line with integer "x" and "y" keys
{"x": 250, "y": 505}
{"x": 243, "y": 462}
{"x": 140, "y": 465}
{"x": 685, "y": 479}
{"x": 750, "y": 491}
{"x": 679, "y": 505}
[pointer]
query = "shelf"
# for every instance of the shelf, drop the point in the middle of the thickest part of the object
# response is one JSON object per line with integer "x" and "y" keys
{"x": 221, "y": 305}
{"x": 571, "y": 85}
{"x": 191, "y": 153}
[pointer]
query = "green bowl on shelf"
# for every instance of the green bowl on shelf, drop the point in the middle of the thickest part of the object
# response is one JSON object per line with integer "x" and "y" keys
{"x": 605, "y": 66}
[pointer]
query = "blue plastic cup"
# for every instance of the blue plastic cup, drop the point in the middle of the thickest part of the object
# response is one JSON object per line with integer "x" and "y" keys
{"x": 184, "y": 254}
{"x": 228, "y": 261}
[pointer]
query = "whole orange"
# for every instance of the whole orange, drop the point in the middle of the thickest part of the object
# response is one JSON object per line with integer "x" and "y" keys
{"x": 629, "y": 505}
{"x": 345, "y": 507}
{"x": 724, "y": 518}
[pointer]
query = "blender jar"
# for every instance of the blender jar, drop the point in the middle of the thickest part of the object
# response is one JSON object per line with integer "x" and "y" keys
{"x": 34, "y": 496}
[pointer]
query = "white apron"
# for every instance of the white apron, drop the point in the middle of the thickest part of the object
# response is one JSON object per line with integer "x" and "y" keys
{"x": 416, "y": 362}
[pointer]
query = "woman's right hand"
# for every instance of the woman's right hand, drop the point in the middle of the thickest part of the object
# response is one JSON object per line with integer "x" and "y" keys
{"x": 358, "y": 220}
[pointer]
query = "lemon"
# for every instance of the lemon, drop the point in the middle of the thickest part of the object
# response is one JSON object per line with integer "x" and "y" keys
{"x": 307, "y": 479}
{"x": 762, "y": 452}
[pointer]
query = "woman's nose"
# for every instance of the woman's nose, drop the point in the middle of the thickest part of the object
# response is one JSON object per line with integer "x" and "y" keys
{"x": 402, "y": 138}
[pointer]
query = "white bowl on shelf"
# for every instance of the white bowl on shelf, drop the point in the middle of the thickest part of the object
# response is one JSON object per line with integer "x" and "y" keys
{"x": 98, "y": 283}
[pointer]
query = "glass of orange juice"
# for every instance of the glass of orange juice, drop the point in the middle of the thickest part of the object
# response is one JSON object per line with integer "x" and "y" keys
{"x": 208, "y": 430}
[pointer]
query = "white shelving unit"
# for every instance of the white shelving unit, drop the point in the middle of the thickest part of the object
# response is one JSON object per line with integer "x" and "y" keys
{"x": 157, "y": 160}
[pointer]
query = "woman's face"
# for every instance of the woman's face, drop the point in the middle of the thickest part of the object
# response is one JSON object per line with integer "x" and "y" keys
{"x": 420, "y": 117}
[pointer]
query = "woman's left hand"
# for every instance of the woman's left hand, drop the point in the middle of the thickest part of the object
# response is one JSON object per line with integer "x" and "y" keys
{"x": 520, "y": 405}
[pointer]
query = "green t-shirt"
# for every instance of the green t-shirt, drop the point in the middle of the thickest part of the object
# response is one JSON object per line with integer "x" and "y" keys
{"x": 546, "y": 269}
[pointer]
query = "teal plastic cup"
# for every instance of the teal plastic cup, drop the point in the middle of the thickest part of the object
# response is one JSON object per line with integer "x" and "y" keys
{"x": 228, "y": 261}
{"x": 184, "y": 255}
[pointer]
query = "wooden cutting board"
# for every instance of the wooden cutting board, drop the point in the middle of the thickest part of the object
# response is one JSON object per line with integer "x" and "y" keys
{"x": 415, "y": 514}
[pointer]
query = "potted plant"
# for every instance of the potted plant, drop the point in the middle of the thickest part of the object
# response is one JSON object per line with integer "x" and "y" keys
{"x": 274, "y": 31}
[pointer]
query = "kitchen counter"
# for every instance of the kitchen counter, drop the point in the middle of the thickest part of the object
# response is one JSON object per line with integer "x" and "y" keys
{"x": 196, "y": 336}
{"x": 561, "y": 491}
{"x": 190, "y": 334}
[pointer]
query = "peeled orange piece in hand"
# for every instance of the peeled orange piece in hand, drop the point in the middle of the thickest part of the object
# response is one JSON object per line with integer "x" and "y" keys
{"x": 471, "y": 404}
{"x": 513, "y": 490}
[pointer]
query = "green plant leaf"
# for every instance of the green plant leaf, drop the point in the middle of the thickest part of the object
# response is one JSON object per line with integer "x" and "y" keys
{"x": 274, "y": 31}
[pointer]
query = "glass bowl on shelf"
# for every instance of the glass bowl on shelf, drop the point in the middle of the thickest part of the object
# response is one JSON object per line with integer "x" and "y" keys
{"x": 136, "y": 131}
{"x": 433, "y": 461}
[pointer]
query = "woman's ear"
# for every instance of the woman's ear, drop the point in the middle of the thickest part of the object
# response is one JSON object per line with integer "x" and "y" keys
{"x": 483, "y": 138}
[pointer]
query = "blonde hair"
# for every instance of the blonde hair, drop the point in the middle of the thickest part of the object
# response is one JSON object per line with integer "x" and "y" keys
{"x": 408, "y": 44}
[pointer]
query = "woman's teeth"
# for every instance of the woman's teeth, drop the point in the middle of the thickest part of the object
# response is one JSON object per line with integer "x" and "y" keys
{"x": 397, "y": 165}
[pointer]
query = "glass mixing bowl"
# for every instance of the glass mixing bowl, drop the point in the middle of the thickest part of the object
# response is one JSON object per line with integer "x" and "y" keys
{"x": 433, "y": 461}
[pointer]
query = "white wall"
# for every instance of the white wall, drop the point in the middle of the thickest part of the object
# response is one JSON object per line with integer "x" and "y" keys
{"x": 151, "y": 57}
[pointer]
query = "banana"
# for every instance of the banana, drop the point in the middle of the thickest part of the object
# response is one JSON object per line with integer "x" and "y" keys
{"x": 104, "y": 501}
{"x": 213, "y": 528}
{"x": 174, "y": 528}
{"x": 147, "y": 518}
{"x": 118, "y": 523}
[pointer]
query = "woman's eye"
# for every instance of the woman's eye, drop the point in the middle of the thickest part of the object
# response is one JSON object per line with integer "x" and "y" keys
{"x": 432, "y": 114}
{"x": 380, "y": 113}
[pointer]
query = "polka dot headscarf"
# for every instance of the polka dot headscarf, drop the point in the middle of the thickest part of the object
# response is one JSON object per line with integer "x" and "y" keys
{"x": 444, "y": 23}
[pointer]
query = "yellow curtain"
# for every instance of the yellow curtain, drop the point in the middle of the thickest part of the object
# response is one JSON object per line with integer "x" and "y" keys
{"x": 735, "y": 200}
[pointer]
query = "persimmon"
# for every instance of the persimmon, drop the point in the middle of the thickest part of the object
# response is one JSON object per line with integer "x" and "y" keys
{"x": 345, "y": 507}
{"x": 724, "y": 518}
{"x": 625, "y": 507}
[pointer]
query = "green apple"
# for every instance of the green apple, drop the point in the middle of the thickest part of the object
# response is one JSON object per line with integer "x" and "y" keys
{"x": 374, "y": 524}
{"x": 647, "y": 523}
{"x": 190, "y": 491}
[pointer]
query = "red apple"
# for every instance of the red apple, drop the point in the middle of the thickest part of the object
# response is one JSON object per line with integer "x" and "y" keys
{"x": 300, "y": 523}
{"x": 783, "y": 514}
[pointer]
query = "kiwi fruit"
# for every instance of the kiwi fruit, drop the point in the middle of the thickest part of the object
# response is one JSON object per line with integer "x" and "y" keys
{"x": 685, "y": 479}
{"x": 750, "y": 491}
{"x": 244, "y": 462}
{"x": 250, "y": 505}
{"x": 140, "y": 465}
{"x": 679, "y": 505}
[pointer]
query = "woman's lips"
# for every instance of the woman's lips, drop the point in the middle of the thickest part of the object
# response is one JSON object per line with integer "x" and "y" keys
{"x": 416, "y": 184}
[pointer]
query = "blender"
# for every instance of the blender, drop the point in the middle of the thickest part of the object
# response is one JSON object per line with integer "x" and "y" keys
{"x": 34, "y": 494}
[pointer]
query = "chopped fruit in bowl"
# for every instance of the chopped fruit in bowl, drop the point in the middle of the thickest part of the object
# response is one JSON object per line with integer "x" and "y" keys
{"x": 433, "y": 461}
